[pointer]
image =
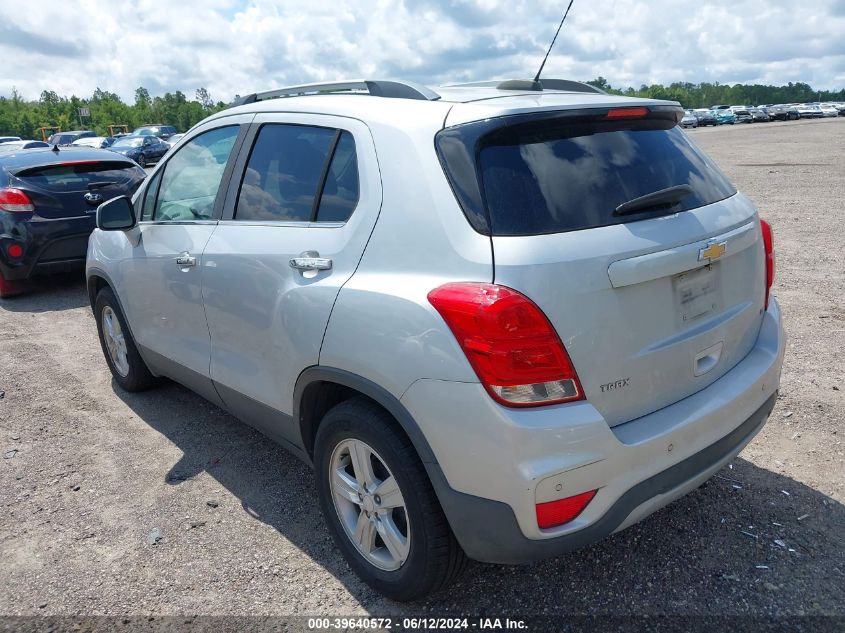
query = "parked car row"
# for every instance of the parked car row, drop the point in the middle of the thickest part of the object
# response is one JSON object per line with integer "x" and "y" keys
{"x": 64, "y": 179}
{"x": 730, "y": 115}
{"x": 145, "y": 145}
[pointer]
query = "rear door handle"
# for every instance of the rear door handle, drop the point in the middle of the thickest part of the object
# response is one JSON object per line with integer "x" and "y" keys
{"x": 310, "y": 260}
{"x": 186, "y": 259}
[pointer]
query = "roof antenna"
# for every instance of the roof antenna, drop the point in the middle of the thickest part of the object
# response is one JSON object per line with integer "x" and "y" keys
{"x": 537, "y": 76}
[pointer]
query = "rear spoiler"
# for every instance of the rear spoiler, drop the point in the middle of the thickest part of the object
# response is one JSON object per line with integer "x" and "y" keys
{"x": 29, "y": 170}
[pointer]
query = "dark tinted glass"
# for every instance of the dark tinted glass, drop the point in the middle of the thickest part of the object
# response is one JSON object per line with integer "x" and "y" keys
{"x": 538, "y": 179}
{"x": 64, "y": 178}
{"x": 283, "y": 173}
{"x": 340, "y": 193}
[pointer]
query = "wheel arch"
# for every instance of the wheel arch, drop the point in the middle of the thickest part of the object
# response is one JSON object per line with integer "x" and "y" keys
{"x": 320, "y": 388}
{"x": 98, "y": 279}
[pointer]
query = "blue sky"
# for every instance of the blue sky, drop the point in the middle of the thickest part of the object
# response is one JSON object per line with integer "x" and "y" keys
{"x": 239, "y": 46}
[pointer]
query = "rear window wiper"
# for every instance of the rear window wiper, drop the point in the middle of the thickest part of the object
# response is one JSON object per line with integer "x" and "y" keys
{"x": 663, "y": 197}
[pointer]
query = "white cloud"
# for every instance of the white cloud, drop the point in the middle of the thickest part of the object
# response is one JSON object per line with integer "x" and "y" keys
{"x": 239, "y": 46}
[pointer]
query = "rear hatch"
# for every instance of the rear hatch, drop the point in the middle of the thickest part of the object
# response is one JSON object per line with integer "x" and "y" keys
{"x": 654, "y": 297}
{"x": 75, "y": 187}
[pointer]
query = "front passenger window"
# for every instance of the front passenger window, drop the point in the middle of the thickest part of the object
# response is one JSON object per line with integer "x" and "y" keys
{"x": 191, "y": 178}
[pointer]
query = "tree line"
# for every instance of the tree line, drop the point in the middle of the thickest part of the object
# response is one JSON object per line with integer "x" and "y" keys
{"x": 19, "y": 117}
{"x": 705, "y": 95}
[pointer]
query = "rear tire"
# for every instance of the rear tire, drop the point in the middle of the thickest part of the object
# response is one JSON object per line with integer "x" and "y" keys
{"x": 124, "y": 361}
{"x": 431, "y": 557}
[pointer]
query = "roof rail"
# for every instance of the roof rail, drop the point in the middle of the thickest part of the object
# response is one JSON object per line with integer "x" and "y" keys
{"x": 529, "y": 84}
{"x": 373, "y": 87}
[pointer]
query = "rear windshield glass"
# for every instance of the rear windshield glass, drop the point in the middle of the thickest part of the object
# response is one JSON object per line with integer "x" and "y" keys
{"x": 552, "y": 178}
{"x": 62, "y": 178}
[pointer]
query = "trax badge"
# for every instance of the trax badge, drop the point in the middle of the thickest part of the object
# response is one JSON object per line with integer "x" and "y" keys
{"x": 713, "y": 251}
{"x": 617, "y": 384}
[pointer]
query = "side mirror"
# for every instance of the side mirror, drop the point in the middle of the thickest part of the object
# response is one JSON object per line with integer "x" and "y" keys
{"x": 116, "y": 214}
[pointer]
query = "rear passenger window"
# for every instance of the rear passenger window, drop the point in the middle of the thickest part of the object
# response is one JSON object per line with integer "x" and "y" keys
{"x": 340, "y": 193}
{"x": 299, "y": 173}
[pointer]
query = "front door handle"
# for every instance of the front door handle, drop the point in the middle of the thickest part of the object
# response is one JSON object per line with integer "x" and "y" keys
{"x": 310, "y": 260}
{"x": 186, "y": 259}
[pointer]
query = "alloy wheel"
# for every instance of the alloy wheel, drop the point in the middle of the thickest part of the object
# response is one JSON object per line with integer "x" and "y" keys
{"x": 369, "y": 504}
{"x": 115, "y": 341}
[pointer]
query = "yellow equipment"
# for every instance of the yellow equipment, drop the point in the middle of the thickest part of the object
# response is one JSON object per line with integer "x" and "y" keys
{"x": 52, "y": 129}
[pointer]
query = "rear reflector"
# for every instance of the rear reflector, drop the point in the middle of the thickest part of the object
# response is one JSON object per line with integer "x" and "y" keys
{"x": 509, "y": 342}
{"x": 14, "y": 250}
{"x": 10, "y": 288}
{"x": 562, "y": 511}
{"x": 769, "y": 245}
{"x": 627, "y": 113}
{"x": 15, "y": 201}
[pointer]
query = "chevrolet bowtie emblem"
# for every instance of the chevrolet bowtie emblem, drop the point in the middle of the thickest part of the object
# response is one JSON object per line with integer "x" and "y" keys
{"x": 713, "y": 251}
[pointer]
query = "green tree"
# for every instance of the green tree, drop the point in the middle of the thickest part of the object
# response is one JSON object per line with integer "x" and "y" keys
{"x": 205, "y": 99}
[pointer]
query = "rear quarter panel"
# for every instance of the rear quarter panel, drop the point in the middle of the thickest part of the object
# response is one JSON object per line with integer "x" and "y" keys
{"x": 382, "y": 327}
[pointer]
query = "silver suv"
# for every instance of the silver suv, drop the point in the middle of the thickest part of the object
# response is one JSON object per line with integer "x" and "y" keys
{"x": 501, "y": 321}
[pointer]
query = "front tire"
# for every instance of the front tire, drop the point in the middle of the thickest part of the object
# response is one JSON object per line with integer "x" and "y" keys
{"x": 122, "y": 357}
{"x": 142, "y": 161}
{"x": 379, "y": 504}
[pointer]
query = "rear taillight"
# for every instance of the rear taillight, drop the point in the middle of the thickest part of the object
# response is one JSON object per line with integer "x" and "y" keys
{"x": 15, "y": 201}
{"x": 15, "y": 251}
{"x": 769, "y": 244}
{"x": 509, "y": 342}
{"x": 562, "y": 511}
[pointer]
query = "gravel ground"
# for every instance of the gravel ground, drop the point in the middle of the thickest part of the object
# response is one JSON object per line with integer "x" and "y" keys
{"x": 92, "y": 476}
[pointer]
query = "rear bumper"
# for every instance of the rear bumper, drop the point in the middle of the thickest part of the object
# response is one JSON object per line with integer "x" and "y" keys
{"x": 495, "y": 464}
{"x": 50, "y": 246}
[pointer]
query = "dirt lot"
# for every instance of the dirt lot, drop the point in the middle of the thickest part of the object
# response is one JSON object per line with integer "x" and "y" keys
{"x": 89, "y": 472}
